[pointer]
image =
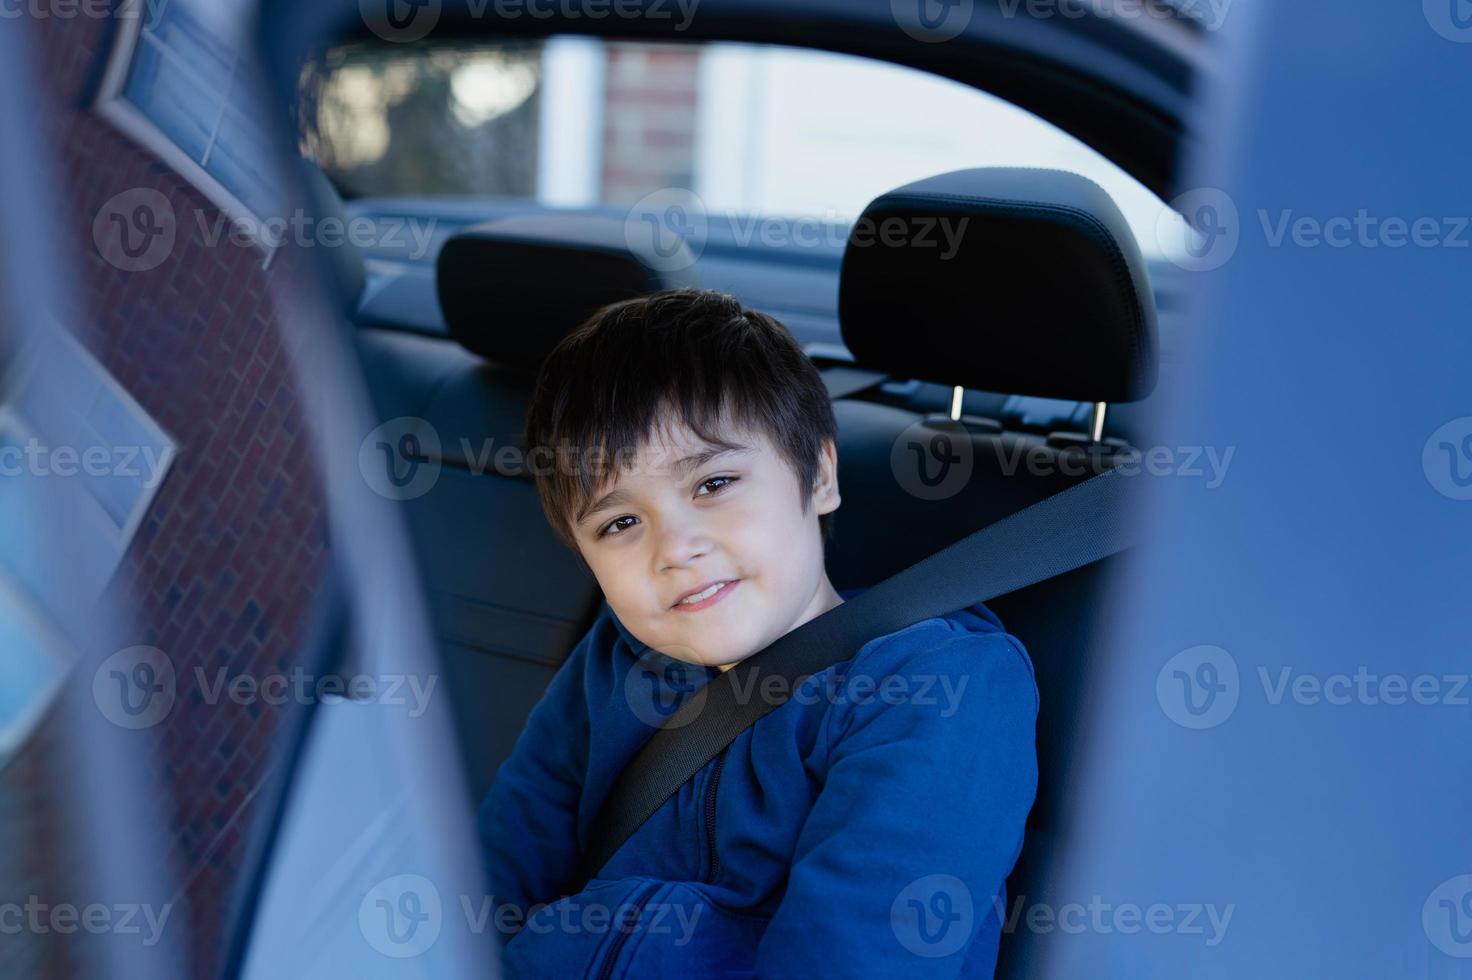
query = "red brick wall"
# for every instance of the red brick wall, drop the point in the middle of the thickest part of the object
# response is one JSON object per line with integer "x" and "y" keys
{"x": 648, "y": 121}
{"x": 227, "y": 562}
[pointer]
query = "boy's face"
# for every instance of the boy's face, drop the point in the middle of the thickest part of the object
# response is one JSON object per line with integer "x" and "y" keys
{"x": 678, "y": 522}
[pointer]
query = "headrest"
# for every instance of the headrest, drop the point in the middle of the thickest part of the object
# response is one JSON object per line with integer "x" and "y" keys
{"x": 1019, "y": 281}
{"x": 511, "y": 289}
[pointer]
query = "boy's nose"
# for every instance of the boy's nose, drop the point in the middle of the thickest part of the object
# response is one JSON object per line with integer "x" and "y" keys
{"x": 680, "y": 546}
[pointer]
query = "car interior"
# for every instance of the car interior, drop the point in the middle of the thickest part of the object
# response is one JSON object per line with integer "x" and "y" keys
{"x": 224, "y": 656}
{"x": 1034, "y": 346}
{"x": 1044, "y": 248}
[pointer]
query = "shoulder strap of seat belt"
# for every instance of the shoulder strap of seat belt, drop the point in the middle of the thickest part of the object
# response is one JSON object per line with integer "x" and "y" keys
{"x": 843, "y": 380}
{"x": 1061, "y": 533}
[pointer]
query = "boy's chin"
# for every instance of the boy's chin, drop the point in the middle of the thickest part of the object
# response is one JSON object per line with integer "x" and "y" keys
{"x": 723, "y": 659}
{"x": 726, "y": 663}
{"x": 724, "y": 648}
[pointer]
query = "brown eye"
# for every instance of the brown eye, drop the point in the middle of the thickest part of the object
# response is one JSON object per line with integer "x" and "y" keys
{"x": 612, "y": 527}
{"x": 724, "y": 482}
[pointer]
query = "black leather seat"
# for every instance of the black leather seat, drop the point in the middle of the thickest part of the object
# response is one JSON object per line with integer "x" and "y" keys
{"x": 1046, "y": 294}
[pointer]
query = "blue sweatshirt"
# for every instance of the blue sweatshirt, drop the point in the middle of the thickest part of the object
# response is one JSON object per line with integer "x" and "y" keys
{"x": 863, "y": 828}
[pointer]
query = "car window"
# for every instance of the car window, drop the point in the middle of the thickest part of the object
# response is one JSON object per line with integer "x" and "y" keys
{"x": 179, "y": 84}
{"x": 747, "y": 128}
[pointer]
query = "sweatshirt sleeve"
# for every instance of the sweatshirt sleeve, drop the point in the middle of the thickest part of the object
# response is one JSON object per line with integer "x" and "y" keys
{"x": 932, "y": 769}
{"x": 528, "y": 820}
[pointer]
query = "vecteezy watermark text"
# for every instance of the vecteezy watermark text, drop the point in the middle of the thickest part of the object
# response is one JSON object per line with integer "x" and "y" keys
{"x": 403, "y": 916}
{"x": 1124, "y": 918}
{"x": 64, "y": 918}
{"x": 1210, "y": 14}
{"x": 1208, "y": 463}
{"x": 406, "y": 21}
{"x": 670, "y": 227}
{"x": 414, "y": 235}
{"x": 1201, "y": 687}
{"x": 1363, "y": 230}
{"x": 138, "y": 687}
{"x": 660, "y": 683}
{"x": 138, "y": 229}
{"x": 1214, "y": 229}
{"x": 72, "y": 9}
{"x": 36, "y": 458}
{"x": 299, "y": 687}
{"x": 934, "y": 21}
{"x": 571, "y": 917}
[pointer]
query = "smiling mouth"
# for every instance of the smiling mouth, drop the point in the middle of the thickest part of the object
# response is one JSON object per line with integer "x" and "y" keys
{"x": 706, "y": 598}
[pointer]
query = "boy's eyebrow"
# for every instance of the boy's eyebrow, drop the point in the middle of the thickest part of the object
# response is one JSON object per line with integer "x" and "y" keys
{"x": 682, "y": 467}
{"x": 694, "y": 460}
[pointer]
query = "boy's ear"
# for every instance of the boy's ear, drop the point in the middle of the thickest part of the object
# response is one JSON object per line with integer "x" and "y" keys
{"x": 825, "y": 491}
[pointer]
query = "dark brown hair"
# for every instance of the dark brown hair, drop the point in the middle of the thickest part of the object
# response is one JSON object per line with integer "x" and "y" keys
{"x": 688, "y": 355}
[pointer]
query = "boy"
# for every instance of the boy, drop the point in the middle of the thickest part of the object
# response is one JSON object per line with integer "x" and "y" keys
{"x": 863, "y": 828}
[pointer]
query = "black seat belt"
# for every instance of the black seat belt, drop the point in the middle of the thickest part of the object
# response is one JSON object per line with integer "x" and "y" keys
{"x": 1061, "y": 533}
{"x": 843, "y": 380}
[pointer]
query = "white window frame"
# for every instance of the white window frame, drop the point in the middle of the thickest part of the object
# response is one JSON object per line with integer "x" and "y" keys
{"x": 570, "y": 121}
{"x": 113, "y": 105}
{"x": 120, "y": 537}
{"x": 14, "y": 735}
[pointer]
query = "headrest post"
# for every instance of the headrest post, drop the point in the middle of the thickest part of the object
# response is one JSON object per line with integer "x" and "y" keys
{"x": 1096, "y": 422}
{"x": 957, "y": 394}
